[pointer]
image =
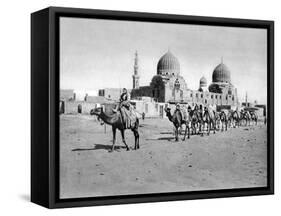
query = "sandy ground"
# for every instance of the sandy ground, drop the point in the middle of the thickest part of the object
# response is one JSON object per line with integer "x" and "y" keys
{"x": 233, "y": 159}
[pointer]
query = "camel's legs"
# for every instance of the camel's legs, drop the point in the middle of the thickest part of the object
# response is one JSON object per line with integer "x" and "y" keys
{"x": 136, "y": 134}
{"x": 177, "y": 133}
{"x": 123, "y": 139}
{"x": 201, "y": 128}
{"x": 185, "y": 132}
{"x": 138, "y": 139}
{"x": 114, "y": 138}
{"x": 135, "y": 139}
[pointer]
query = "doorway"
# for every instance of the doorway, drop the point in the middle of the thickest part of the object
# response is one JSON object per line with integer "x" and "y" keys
{"x": 79, "y": 108}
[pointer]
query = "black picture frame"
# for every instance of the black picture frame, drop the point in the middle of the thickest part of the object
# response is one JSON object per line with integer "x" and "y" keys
{"x": 45, "y": 112}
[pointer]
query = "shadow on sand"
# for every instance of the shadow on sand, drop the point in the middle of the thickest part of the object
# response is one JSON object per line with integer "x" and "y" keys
{"x": 98, "y": 147}
{"x": 162, "y": 138}
{"x": 166, "y": 132}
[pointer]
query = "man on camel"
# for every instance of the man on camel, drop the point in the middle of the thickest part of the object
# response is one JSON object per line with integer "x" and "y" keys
{"x": 125, "y": 109}
{"x": 183, "y": 111}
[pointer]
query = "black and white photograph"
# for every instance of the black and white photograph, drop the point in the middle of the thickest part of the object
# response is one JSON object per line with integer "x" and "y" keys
{"x": 149, "y": 107}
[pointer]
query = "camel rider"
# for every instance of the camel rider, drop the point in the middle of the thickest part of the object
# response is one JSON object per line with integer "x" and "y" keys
{"x": 178, "y": 108}
{"x": 123, "y": 101}
{"x": 189, "y": 108}
{"x": 124, "y": 97}
{"x": 201, "y": 110}
{"x": 127, "y": 115}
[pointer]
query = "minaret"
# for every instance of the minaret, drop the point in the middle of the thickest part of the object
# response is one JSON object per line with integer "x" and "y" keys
{"x": 136, "y": 76}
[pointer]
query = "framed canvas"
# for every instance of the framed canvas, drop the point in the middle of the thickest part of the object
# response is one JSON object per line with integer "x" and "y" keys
{"x": 138, "y": 107}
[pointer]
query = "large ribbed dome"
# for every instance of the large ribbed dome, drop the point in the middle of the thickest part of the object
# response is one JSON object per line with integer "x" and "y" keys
{"x": 221, "y": 74}
{"x": 168, "y": 65}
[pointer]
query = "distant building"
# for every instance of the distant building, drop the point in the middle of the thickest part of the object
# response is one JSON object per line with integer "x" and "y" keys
{"x": 263, "y": 107}
{"x": 203, "y": 84}
{"x": 150, "y": 108}
{"x": 67, "y": 94}
{"x": 111, "y": 93}
{"x": 70, "y": 105}
{"x": 95, "y": 99}
{"x": 168, "y": 86}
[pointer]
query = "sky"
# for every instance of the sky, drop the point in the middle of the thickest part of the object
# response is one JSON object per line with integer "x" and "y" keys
{"x": 96, "y": 54}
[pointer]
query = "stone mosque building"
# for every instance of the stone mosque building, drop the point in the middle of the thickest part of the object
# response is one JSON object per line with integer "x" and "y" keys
{"x": 168, "y": 86}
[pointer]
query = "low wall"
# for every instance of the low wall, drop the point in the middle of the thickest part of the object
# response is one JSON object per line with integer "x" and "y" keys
{"x": 71, "y": 107}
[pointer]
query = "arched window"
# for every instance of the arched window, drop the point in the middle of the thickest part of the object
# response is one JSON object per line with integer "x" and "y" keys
{"x": 177, "y": 84}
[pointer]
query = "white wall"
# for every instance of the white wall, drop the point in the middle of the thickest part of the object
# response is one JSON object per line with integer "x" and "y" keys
{"x": 15, "y": 114}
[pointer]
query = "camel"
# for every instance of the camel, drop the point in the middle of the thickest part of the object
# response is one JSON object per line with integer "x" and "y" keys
{"x": 246, "y": 117}
{"x": 254, "y": 117}
{"x": 229, "y": 117}
{"x": 223, "y": 119}
{"x": 236, "y": 117}
{"x": 178, "y": 121}
{"x": 196, "y": 121}
{"x": 209, "y": 117}
{"x": 217, "y": 120}
{"x": 116, "y": 121}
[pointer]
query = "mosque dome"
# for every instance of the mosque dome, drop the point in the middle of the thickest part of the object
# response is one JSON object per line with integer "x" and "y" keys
{"x": 203, "y": 82}
{"x": 221, "y": 74}
{"x": 168, "y": 65}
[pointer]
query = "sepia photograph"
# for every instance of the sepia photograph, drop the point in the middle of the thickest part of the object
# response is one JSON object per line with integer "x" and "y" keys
{"x": 151, "y": 107}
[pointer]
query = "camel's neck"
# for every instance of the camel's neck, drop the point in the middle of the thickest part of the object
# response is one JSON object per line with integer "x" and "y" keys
{"x": 108, "y": 119}
{"x": 175, "y": 118}
{"x": 170, "y": 117}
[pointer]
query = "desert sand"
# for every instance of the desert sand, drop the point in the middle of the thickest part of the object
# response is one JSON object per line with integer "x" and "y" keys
{"x": 236, "y": 158}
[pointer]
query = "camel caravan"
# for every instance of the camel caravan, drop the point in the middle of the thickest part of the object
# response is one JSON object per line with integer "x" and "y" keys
{"x": 199, "y": 117}
{"x": 196, "y": 120}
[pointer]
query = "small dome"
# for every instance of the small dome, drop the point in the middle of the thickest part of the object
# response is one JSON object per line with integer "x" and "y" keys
{"x": 221, "y": 74}
{"x": 203, "y": 82}
{"x": 168, "y": 65}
